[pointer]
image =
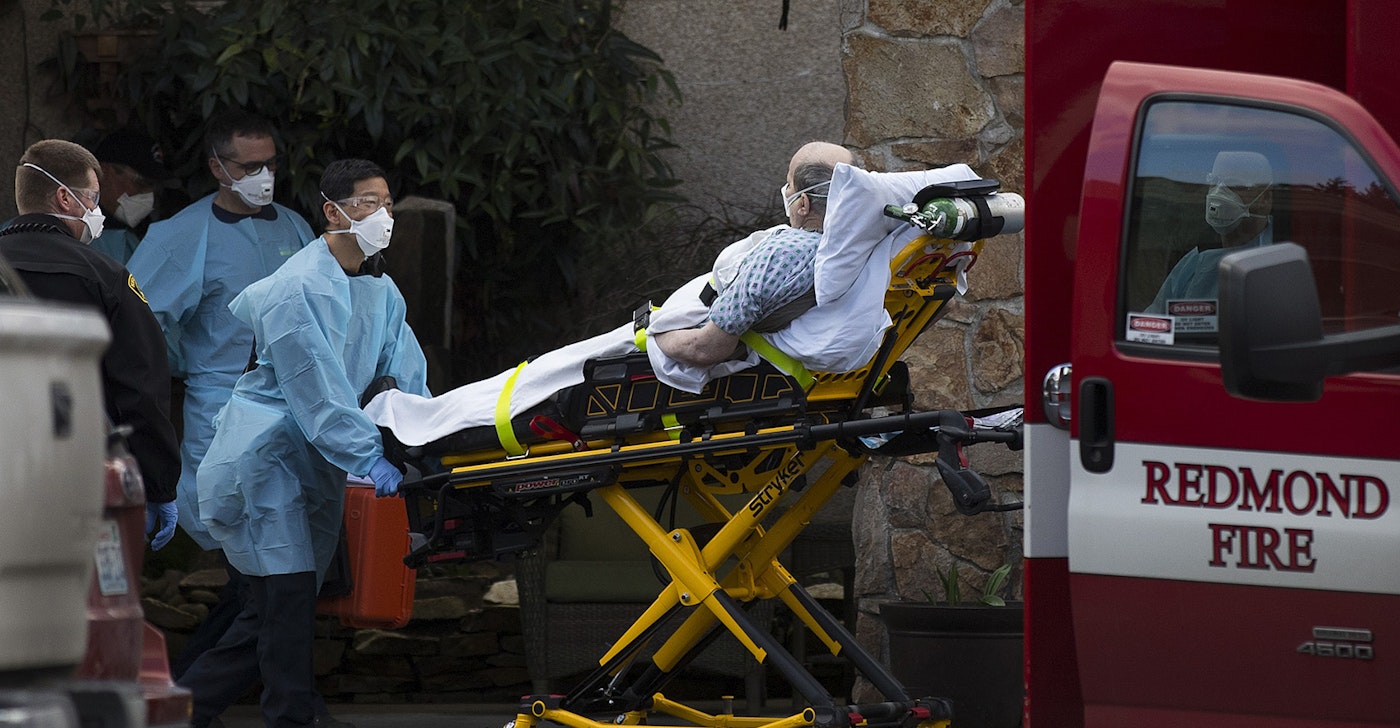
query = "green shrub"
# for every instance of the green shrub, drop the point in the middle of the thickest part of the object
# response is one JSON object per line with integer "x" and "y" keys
{"x": 535, "y": 118}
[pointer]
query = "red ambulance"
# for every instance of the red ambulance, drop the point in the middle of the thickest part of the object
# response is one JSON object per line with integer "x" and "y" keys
{"x": 1213, "y": 467}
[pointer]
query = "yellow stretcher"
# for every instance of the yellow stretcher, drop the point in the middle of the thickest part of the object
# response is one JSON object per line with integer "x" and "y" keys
{"x": 485, "y": 504}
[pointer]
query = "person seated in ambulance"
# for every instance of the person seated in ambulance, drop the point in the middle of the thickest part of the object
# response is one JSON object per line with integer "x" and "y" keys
{"x": 1239, "y": 206}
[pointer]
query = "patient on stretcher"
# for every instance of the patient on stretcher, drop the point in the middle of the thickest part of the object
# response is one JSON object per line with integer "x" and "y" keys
{"x": 808, "y": 295}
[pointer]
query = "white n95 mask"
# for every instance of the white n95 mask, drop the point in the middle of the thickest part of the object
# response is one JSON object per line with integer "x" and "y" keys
{"x": 255, "y": 189}
{"x": 373, "y": 232}
{"x": 1225, "y": 210}
{"x": 132, "y": 209}
{"x": 92, "y": 218}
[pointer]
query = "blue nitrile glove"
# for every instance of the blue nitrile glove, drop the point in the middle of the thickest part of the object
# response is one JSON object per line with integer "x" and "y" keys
{"x": 164, "y": 514}
{"x": 386, "y": 478}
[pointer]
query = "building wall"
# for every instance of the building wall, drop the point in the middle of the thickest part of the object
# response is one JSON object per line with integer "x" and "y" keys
{"x": 916, "y": 84}
{"x": 752, "y": 94}
{"x": 932, "y": 83}
{"x": 29, "y": 111}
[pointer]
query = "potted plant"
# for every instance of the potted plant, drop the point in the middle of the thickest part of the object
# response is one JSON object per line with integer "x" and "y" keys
{"x": 967, "y": 651}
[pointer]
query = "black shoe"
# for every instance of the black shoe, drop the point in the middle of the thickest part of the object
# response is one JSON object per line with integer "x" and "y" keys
{"x": 330, "y": 721}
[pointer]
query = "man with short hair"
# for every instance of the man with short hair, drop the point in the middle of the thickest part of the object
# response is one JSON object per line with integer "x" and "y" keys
{"x": 272, "y": 485}
{"x": 132, "y": 167}
{"x": 57, "y": 193}
{"x": 192, "y": 265}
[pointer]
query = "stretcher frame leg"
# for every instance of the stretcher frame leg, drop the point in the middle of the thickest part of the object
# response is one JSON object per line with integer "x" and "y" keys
{"x": 623, "y": 686}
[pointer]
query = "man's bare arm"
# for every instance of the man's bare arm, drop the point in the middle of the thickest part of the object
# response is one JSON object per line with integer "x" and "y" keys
{"x": 702, "y": 347}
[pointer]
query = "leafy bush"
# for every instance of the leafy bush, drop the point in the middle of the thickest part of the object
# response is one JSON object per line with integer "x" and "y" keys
{"x": 533, "y": 117}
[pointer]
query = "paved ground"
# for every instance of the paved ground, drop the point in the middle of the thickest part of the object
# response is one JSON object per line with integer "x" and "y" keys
{"x": 443, "y": 716}
{"x": 394, "y": 716}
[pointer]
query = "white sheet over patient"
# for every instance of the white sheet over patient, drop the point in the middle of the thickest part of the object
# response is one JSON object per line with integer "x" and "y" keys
{"x": 840, "y": 334}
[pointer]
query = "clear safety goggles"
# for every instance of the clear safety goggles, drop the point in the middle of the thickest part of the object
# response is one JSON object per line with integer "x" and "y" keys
{"x": 368, "y": 203}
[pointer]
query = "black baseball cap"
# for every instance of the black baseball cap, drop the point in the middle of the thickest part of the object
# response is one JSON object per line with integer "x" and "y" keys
{"x": 134, "y": 149}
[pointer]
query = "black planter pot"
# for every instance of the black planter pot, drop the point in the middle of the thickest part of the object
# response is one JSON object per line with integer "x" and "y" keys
{"x": 969, "y": 654}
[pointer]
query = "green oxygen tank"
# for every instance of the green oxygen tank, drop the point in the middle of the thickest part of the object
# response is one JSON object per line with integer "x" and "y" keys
{"x": 965, "y": 218}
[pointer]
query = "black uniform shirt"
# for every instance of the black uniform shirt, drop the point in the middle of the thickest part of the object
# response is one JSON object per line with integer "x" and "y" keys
{"x": 135, "y": 375}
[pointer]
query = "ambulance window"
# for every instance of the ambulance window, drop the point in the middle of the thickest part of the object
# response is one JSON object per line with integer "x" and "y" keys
{"x": 1212, "y": 177}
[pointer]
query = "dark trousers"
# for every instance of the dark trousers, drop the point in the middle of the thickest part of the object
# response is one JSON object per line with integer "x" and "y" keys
{"x": 231, "y": 600}
{"x": 271, "y": 638}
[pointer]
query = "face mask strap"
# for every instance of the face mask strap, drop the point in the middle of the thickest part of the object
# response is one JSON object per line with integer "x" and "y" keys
{"x": 787, "y": 201}
{"x": 348, "y": 220}
{"x": 68, "y": 189}
{"x": 220, "y": 162}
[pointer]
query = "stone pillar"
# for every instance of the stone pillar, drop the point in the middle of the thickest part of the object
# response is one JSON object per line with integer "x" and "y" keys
{"x": 422, "y": 260}
{"x": 931, "y": 84}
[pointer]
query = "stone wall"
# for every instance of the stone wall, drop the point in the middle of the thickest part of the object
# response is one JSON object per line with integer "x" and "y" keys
{"x": 935, "y": 83}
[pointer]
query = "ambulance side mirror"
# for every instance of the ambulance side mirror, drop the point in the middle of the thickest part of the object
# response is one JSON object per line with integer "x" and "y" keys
{"x": 1271, "y": 341}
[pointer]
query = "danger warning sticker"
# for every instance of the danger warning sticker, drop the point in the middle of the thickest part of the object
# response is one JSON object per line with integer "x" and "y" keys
{"x": 1194, "y": 316}
{"x": 1147, "y": 328}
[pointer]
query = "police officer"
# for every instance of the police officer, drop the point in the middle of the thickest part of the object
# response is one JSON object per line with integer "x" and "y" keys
{"x": 57, "y": 192}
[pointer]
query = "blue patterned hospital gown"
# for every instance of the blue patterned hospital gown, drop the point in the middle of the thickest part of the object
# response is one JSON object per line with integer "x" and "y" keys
{"x": 774, "y": 273}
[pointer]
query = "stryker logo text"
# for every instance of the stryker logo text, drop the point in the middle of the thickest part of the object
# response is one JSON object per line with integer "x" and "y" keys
{"x": 775, "y": 488}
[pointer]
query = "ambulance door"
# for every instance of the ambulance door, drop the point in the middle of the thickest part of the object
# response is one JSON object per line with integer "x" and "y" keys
{"x": 1232, "y": 561}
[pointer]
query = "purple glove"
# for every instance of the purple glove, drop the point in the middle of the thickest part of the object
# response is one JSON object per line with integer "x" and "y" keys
{"x": 386, "y": 478}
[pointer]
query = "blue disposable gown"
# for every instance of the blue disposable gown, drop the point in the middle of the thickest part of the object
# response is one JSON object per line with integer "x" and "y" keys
{"x": 1196, "y": 276}
{"x": 118, "y": 242}
{"x": 190, "y": 267}
{"x": 272, "y": 486}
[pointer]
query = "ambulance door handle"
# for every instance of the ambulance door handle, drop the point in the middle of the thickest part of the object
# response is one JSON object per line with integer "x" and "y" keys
{"x": 1096, "y": 424}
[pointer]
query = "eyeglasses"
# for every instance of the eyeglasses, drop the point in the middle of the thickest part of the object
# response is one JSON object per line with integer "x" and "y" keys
{"x": 249, "y": 167}
{"x": 256, "y": 167}
{"x": 368, "y": 203}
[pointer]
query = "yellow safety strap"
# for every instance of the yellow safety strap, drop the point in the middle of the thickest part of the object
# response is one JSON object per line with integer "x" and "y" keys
{"x": 640, "y": 337}
{"x": 783, "y": 361}
{"x": 671, "y": 425}
{"x": 504, "y": 432}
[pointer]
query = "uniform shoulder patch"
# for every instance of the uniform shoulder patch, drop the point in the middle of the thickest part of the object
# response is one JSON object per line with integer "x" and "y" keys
{"x": 131, "y": 283}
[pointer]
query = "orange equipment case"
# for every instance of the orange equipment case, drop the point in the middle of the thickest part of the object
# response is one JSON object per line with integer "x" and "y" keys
{"x": 376, "y": 534}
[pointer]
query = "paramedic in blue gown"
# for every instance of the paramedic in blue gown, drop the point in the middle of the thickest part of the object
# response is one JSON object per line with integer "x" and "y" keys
{"x": 1238, "y": 205}
{"x": 192, "y": 265}
{"x": 775, "y": 282}
{"x": 272, "y": 485}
